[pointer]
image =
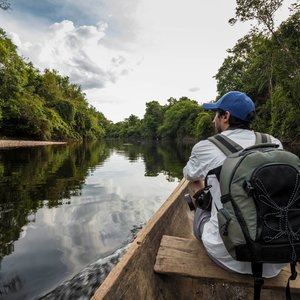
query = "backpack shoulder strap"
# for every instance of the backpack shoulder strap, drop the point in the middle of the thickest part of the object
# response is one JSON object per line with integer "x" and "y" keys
{"x": 225, "y": 144}
{"x": 262, "y": 138}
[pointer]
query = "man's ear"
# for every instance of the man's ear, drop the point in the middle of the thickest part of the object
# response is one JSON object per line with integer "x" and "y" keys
{"x": 226, "y": 116}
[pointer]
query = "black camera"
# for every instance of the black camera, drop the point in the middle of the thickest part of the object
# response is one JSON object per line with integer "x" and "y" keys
{"x": 202, "y": 198}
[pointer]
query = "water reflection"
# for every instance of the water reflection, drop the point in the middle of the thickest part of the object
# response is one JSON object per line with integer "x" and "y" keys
{"x": 32, "y": 178}
{"x": 163, "y": 157}
{"x": 63, "y": 207}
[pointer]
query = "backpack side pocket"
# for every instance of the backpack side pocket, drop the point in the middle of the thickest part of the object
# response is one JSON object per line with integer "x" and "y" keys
{"x": 230, "y": 230}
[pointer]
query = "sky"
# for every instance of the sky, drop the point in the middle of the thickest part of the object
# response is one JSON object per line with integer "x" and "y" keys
{"x": 126, "y": 53}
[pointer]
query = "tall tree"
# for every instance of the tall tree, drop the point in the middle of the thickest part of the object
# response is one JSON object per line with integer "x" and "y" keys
{"x": 260, "y": 10}
{"x": 263, "y": 11}
{"x": 153, "y": 118}
{"x": 179, "y": 119}
{"x": 261, "y": 68}
{"x": 42, "y": 106}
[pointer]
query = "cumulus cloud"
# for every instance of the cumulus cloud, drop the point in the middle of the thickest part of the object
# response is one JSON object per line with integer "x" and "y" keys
{"x": 77, "y": 52}
{"x": 119, "y": 15}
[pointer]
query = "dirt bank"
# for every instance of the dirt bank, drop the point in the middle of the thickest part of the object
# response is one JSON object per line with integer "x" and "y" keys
{"x": 21, "y": 143}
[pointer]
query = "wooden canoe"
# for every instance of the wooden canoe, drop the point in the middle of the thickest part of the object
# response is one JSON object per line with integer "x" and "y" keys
{"x": 182, "y": 268}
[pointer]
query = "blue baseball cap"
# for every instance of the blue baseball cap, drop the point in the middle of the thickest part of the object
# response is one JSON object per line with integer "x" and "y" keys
{"x": 237, "y": 103}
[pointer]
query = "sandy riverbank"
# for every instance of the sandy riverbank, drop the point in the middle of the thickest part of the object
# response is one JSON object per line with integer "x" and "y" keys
{"x": 21, "y": 143}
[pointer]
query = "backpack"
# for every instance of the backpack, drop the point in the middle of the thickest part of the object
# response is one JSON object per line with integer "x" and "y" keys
{"x": 260, "y": 193}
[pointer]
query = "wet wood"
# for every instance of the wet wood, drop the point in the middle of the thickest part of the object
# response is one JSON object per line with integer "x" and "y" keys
{"x": 187, "y": 257}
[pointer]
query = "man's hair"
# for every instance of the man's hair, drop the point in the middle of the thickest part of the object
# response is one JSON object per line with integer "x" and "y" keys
{"x": 236, "y": 122}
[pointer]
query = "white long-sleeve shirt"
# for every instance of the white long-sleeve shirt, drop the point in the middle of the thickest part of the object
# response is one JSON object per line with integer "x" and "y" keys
{"x": 206, "y": 156}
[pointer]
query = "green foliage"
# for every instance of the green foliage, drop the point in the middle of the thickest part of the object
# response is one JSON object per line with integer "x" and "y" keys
{"x": 153, "y": 118}
{"x": 42, "y": 106}
{"x": 66, "y": 110}
{"x": 289, "y": 126}
{"x": 131, "y": 127}
{"x": 179, "y": 119}
{"x": 264, "y": 64}
{"x": 204, "y": 126}
{"x": 230, "y": 74}
{"x": 267, "y": 68}
{"x": 59, "y": 129}
{"x": 12, "y": 69}
{"x": 260, "y": 10}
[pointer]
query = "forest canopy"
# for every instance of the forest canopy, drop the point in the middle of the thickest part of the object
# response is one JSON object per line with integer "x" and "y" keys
{"x": 42, "y": 106}
{"x": 264, "y": 64}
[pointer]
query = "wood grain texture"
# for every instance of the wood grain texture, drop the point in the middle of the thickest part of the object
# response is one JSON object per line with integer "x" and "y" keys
{"x": 187, "y": 257}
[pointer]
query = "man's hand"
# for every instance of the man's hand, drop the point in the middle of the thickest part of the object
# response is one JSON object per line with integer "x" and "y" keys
{"x": 196, "y": 186}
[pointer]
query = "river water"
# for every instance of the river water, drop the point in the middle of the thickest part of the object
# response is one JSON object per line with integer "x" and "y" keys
{"x": 68, "y": 212}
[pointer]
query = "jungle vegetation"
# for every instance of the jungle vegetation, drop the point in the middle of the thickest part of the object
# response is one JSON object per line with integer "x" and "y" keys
{"x": 265, "y": 64}
{"x": 42, "y": 106}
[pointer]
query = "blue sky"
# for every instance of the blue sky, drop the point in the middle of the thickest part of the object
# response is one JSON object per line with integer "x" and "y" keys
{"x": 127, "y": 53}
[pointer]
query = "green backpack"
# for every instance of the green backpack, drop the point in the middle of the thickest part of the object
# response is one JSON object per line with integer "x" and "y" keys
{"x": 260, "y": 192}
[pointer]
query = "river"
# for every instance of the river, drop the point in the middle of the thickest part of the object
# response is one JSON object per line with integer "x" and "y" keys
{"x": 68, "y": 212}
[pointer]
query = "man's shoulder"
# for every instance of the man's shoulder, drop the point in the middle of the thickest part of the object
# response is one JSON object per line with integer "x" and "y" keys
{"x": 246, "y": 134}
{"x": 204, "y": 145}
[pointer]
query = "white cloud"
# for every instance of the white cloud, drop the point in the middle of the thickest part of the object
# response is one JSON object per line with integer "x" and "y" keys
{"x": 77, "y": 52}
{"x": 134, "y": 51}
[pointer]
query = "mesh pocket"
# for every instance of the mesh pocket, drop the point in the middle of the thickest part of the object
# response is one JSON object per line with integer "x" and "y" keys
{"x": 277, "y": 198}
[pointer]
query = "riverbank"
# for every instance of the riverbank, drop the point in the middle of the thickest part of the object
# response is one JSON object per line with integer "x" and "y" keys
{"x": 25, "y": 143}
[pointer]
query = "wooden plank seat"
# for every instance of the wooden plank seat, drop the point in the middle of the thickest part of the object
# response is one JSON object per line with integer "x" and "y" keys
{"x": 187, "y": 257}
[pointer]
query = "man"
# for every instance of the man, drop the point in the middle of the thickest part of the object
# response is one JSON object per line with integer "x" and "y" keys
{"x": 233, "y": 115}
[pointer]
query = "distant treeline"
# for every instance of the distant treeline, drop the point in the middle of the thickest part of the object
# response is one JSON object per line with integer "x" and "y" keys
{"x": 48, "y": 106}
{"x": 264, "y": 66}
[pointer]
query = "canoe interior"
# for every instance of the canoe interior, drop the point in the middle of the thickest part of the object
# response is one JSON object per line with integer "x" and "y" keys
{"x": 133, "y": 277}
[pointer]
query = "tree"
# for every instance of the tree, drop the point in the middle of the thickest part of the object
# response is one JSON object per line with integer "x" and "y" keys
{"x": 66, "y": 110}
{"x": 49, "y": 87}
{"x": 132, "y": 127}
{"x": 230, "y": 75}
{"x": 204, "y": 127}
{"x": 12, "y": 69}
{"x": 259, "y": 66}
{"x": 42, "y": 106}
{"x": 263, "y": 11}
{"x": 153, "y": 118}
{"x": 179, "y": 119}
